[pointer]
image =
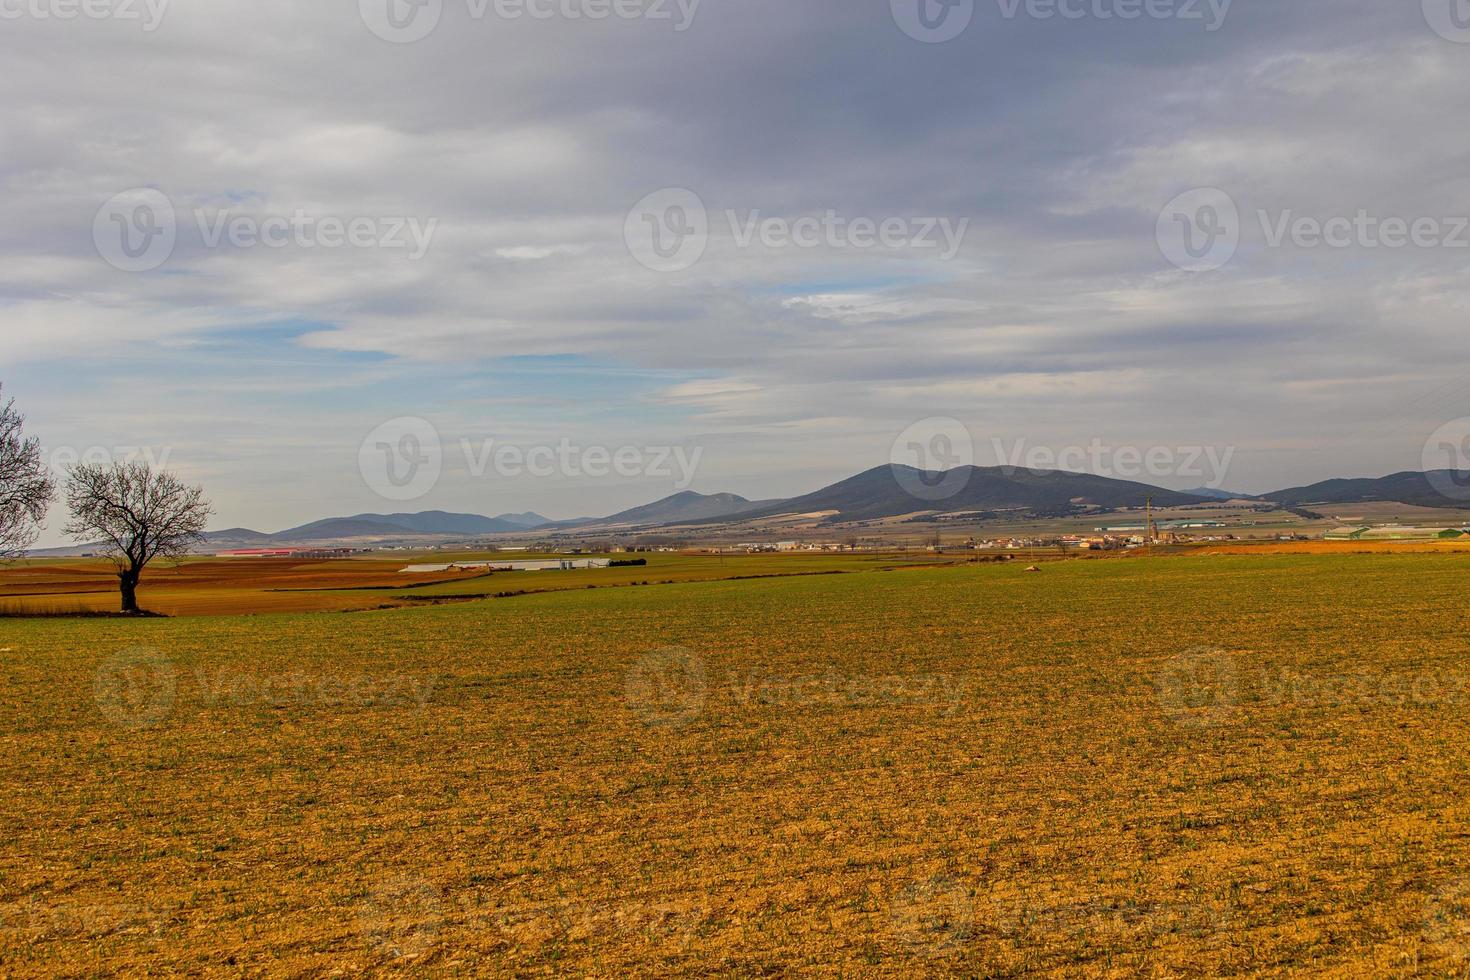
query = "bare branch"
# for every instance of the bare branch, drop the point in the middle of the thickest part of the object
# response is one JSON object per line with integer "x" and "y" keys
{"x": 26, "y": 486}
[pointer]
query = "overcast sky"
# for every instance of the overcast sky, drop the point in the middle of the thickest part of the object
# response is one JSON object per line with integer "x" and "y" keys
{"x": 457, "y": 201}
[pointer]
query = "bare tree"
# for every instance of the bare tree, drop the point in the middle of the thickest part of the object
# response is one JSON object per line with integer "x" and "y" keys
{"x": 26, "y": 486}
{"x": 138, "y": 513}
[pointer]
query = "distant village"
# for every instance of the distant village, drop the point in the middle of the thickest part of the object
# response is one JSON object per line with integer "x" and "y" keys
{"x": 1117, "y": 537}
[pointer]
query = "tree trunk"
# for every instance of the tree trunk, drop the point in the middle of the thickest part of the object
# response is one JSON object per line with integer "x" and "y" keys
{"x": 128, "y": 582}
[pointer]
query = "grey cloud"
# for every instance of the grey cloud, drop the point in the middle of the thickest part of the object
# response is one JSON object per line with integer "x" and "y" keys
{"x": 1059, "y": 140}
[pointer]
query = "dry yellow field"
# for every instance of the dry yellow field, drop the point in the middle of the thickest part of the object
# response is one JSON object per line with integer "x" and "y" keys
{"x": 205, "y": 586}
{"x": 227, "y": 587}
{"x": 1183, "y": 766}
{"x": 1317, "y": 547}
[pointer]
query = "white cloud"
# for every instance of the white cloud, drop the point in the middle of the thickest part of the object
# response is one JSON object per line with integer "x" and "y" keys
{"x": 528, "y": 142}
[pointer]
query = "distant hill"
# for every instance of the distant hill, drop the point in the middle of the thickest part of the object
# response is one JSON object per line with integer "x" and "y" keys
{"x": 433, "y": 523}
{"x": 337, "y": 527}
{"x": 239, "y": 534}
{"x": 439, "y": 522}
{"x": 1213, "y": 494}
{"x": 527, "y": 520}
{"x": 885, "y": 491}
{"x": 1418, "y": 489}
{"x": 682, "y": 508}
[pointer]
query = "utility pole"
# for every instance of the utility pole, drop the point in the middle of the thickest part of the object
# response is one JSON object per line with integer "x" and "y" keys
{"x": 1149, "y": 529}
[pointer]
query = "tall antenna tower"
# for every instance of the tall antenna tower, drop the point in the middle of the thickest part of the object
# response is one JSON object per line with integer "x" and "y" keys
{"x": 1151, "y": 529}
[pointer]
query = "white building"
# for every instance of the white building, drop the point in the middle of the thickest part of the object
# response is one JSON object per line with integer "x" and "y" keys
{"x": 544, "y": 565}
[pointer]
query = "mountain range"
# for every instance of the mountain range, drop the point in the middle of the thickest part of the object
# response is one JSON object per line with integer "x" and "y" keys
{"x": 432, "y": 522}
{"x": 1436, "y": 488}
{"x": 896, "y": 491}
{"x": 882, "y": 493}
